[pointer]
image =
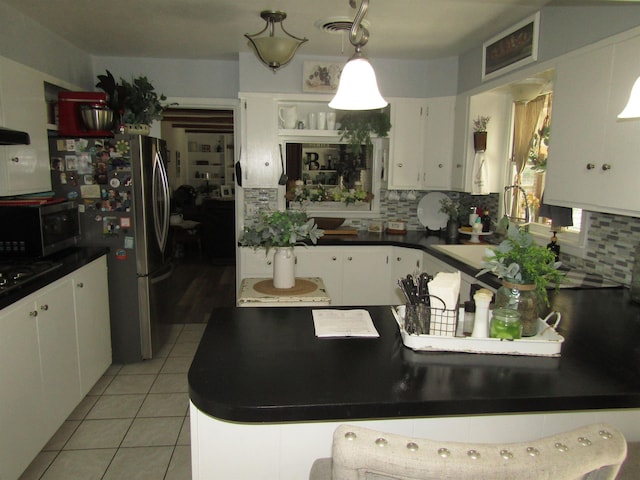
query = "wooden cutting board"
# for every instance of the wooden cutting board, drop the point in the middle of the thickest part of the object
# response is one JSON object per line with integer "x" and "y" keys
{"x": 341, "y": 231}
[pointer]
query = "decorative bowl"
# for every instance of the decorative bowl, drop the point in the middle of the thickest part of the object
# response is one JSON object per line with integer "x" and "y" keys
{"x": 328, "y": 223}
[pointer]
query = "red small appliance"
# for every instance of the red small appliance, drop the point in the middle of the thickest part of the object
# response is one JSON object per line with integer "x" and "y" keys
{"x": 70, "y": 122}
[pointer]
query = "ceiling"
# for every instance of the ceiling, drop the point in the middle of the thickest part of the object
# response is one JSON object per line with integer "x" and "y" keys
{"x": 213, "y": 29}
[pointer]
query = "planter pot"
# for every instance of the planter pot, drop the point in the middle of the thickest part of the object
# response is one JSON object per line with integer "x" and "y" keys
{"x": 525, "y": 300}
{"x": 131, "y": 129}
{"x": 284, "y": 268}
{"x": 479, "y": 141}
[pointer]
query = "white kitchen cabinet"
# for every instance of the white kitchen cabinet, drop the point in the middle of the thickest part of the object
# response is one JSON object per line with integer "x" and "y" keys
{"x": 421, "y": 146}
{"x": 259, "y": 157}
{"x": 21, "y": 405}
{"x": 256, "y": 262}
{"x": 366, "y": 276}
{"x": 403, "y": 262}
{"x": 91, "y": 303}
{"x": 593, "y": 156}
{"x": 23, "y": 168}
{"x": 326, "y": 263}
{"x": 43, "y": 357}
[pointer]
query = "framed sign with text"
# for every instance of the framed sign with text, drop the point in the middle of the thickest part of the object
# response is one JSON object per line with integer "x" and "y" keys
{"x": 511, "y": 49}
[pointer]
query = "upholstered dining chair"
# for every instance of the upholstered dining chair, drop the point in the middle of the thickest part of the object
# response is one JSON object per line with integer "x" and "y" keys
{"x": 593, "y": 452}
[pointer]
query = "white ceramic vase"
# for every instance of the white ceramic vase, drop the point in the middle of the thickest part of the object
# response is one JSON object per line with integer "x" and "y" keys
{"x": 284, "y": 268}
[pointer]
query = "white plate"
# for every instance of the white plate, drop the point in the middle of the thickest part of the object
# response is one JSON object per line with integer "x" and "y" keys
{"x": 429, "y": 213}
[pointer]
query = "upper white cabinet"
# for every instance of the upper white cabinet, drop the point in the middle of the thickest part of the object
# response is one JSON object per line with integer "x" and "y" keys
{"x": 421, "y": 147}
{"x": 593, "y": 156}
{"x": 23, "y": 168}
{"x": 259, "y": 156}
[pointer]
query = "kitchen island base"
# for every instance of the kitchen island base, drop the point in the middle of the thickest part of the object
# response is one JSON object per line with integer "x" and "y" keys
{"x": 286, "y": 451}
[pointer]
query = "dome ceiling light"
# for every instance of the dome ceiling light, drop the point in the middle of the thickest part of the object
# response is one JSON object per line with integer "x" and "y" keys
{"x": 358, "y": 87}
{"x": 274, "y": 51}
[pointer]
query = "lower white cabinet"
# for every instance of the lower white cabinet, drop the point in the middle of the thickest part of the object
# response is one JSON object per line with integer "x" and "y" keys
{"x": 45, "y": 362}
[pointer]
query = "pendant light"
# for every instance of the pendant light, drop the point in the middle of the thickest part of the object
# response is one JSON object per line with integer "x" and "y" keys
{"x": 358, "y": 87}
{"x": 632, "y": 110}
{"x": 274, "y": 52}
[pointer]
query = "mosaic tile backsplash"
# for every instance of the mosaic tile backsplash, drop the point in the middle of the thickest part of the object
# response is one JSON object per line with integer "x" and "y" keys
{"x": 611, "y": 244}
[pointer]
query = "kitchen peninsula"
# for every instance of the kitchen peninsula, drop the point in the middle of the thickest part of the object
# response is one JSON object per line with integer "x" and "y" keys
{"x": 266, "y": 393}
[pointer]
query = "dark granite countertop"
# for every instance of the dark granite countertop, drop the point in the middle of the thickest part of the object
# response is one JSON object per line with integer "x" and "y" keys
{"x": 70, "y": 259}
{"x": 266, "y": 365}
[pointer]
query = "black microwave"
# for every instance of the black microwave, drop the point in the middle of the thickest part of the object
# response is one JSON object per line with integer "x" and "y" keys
{"x": 38, "y": 230}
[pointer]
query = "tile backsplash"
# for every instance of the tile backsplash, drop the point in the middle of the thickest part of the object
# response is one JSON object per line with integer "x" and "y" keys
{"x": 611, "y": 244}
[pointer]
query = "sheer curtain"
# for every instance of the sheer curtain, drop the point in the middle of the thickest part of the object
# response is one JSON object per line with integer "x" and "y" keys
{"x": 527, "y": 115}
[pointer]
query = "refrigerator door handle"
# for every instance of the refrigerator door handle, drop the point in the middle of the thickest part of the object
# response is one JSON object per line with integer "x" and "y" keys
{"x": 161, "y": 201}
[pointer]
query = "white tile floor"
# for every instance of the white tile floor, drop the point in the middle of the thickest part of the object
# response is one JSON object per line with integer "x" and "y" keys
{"x": 134, "y": 424}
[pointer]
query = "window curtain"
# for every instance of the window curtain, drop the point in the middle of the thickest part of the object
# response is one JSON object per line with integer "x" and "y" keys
{"x": 527, "y": 115}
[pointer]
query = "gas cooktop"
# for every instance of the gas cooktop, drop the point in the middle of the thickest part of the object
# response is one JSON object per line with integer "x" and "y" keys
{"x": 18, "y": 273}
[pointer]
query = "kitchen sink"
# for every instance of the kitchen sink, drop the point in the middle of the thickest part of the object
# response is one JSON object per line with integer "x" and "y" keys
{"x": 472, "y": 255}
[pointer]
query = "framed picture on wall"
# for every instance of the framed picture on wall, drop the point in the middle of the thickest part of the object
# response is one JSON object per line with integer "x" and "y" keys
{"x": 512, "y": 48}
{"x": 321, "y": 77}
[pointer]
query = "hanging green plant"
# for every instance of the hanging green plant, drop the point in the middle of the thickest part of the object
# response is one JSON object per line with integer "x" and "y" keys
{"x": 356, "y": 127}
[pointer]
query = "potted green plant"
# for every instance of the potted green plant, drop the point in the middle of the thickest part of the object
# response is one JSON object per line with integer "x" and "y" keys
{"x": 282, "y": 230}
{"x": 526, "y": 269}
{"x": 480, "y": 133}
{"x": 136, "y": 102}
{"x": 356, "y": 127}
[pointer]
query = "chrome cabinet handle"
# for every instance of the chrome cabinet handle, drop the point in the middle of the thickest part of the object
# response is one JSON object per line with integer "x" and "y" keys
{"x": 400, "y": 165}
{"x": 15, "y": 159}
{"x": 605, "y": 167}
{"x": 268, "y": 262}
{"x": 44, "y": 307}
{"x": 440, "y": 165}
{"x": 590, "y": 166}
{"x": 399, "y": 259}
{"x": 33, "y": 313}
{"x": 458, "y": 165}
{"x": 349, "y": 258}
{"x": 80, "y": 284}
{"x": 334, "y": 258}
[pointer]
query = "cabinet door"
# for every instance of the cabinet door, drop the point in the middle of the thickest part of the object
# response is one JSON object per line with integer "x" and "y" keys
{"x": 366, "y": 276}
{"x": 459, "y": 141}
{"x": 260, "y": 158}
{"x": 58, "y": 352}
{"x": 406, "y": 143}
{"x": 403, "y": 262}
{"x": 619, "y": 168}
{"x": 21, "y": 396}
{"x": 91, "y": 301}
{"x": 323, "y": 262}
{"x": 438, "y": 144}
{"x": 576, "y": 142}
{"x": 23, "y": 168}
{"x": 256, "y": 263}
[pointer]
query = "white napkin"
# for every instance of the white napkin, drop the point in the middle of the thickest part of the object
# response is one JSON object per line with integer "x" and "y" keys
{"x": 445, "y": 286}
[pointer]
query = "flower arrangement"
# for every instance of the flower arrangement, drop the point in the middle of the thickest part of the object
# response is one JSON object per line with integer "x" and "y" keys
{"x": 320, "y": 193}
{"x": 281, "y": 229}
{"x": 518, "y": 259}
{"x": 480, "y": 123}
{"x": 452, "y": 208}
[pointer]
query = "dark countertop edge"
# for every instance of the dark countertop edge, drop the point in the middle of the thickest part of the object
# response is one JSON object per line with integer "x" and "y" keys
{"x": 72, "y": 259}
{"x": 442, "y": 408}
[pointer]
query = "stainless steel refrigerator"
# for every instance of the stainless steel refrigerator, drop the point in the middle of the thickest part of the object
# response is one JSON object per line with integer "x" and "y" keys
{"x": 122, "y": 187}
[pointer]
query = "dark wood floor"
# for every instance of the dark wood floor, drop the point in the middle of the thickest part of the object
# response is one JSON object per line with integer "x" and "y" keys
{"x": 199, "y": 285}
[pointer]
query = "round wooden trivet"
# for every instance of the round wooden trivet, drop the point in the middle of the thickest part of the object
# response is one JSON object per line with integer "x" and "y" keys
{"x": 301, "y": 287}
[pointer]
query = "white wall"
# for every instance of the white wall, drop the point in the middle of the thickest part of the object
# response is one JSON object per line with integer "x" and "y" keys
{"x": 27, "y": 42}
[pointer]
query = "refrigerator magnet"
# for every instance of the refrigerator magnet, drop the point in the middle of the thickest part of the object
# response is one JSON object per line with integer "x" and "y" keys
{"x": 114, "y": 182}
{"x": 125, "y": 222}
{"x": 128, "y": 242}
{"x": 121, "y": 254}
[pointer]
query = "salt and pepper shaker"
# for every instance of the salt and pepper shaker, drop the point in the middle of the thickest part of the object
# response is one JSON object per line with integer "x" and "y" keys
{"x": 481, "y": 322}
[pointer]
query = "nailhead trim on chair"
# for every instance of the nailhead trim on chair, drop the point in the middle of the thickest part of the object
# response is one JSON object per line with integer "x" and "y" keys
{"x": 350, "y": 436}
{"x": 381, "y": 442}
{"x": 412, "y": 446}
